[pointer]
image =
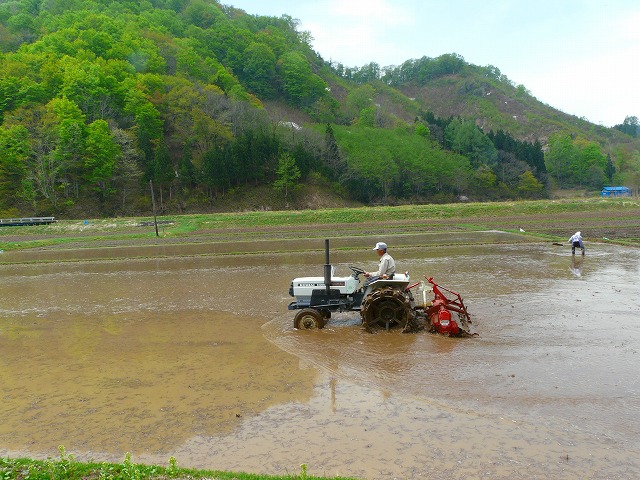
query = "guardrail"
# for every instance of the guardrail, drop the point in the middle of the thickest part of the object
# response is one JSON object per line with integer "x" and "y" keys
{"x": 15, "y": 222}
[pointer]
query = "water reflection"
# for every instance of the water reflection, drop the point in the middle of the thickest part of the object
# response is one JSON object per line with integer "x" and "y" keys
{"x": 140, "y": 383}
{"x": 576, "y": 265}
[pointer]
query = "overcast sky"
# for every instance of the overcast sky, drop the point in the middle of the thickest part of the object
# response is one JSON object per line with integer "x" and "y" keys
{"x": 580, "y": 56}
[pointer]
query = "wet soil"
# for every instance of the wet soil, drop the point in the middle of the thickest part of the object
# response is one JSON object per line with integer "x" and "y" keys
{"x": 192, "y": 353}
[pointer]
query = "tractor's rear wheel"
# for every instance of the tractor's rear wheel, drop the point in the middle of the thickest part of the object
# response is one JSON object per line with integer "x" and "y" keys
{"x": 387, "y": 308}
{"x": 308, "y": 319}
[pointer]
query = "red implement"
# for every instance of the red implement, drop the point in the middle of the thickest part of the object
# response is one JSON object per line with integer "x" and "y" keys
{"x": 439, "y": 312}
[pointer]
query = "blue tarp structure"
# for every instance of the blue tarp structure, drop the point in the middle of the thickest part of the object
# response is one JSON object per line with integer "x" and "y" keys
{"x": 615, "y": 192}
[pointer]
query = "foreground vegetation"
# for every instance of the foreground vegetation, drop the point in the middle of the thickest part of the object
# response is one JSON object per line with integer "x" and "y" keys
{"x": 67, "y": 468}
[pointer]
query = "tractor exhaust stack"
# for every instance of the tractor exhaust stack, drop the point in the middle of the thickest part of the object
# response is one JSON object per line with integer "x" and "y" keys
{"x": 327, "y": 267}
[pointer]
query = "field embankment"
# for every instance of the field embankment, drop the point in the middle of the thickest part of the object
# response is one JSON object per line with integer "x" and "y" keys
{"x": 599, "y": 220}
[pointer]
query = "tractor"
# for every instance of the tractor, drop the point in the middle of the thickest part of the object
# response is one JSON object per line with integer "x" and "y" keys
{"x": 383, "y": 303}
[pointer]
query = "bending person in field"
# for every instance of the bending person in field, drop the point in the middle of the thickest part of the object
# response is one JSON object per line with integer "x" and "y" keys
{"x": 576, "y": 242}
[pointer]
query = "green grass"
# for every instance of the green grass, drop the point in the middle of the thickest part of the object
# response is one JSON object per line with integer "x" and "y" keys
{"x": 472, "y": 216}
{"x": 65, "y": 467}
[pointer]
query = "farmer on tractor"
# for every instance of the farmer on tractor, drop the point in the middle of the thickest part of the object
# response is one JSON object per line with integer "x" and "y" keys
{"x": 387, "y": 266}
{"x": 386, "y": 300}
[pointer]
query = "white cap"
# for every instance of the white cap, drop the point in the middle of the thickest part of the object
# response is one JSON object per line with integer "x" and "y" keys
{"x": 380, "y": 246}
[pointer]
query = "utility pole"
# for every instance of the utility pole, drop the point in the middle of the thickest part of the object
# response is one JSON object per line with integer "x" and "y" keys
{"x": 153, "y": 203}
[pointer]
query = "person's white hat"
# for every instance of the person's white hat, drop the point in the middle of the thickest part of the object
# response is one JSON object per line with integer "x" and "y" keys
{"x": 380, "y": 246}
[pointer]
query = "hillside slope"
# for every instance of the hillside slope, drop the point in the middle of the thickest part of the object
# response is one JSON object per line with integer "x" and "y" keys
{"x": 101, "y": 102}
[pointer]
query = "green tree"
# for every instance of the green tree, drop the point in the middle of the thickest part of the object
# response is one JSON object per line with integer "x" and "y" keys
{"x": 367, "y": 117}
{"x": 300, "y": 85}
{"x": 359, "y": 99}
{"x": 485, "y": 178}
{"x": 592, "y": 165}
{"x": 274, "y": 37}
{"x": 381, "y": 163}
{"x": 68, "y": 123}
{"x": 466, "y": 138}
{"x": 43, "y": 169}
{"x": 560, "y": 156}
{"x": 610, "y": 169}
{"x": 203, "y": 14}
{"x": 191, "y": 63}
{"x": 287, "y": 174}
{"x": 208, "y": 132}
{"x": 333, "y": 161}
{"x": 630, "y": 126}
{"x": 102, "y": 152}
{"x": 127, "y": 172}
{"x": 15, "y": 148}
{"x": 367, "y": 73}
{"x": 148, "y": 124}
{"x": 422, "y": 130}
{"x": 162, "y": 171}
{"x": 259, "y": 70}
{"x": 529, "y": 186}
{"x": 186, "y": 170}
{"x": 10, "y": 94}
{"x": 215, "y": 171}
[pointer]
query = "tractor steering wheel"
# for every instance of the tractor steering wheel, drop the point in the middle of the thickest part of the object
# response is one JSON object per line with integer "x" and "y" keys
{"x": 356, "y": 271}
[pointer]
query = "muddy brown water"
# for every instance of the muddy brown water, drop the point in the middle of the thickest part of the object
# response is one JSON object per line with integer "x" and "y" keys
{"x": 195, "y": 356}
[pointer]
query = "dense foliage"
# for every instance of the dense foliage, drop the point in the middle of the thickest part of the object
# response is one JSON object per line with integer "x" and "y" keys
{"x": 102, "y": 100}
{"x": 630, "y": 126}
{"x": 596, "y": 156}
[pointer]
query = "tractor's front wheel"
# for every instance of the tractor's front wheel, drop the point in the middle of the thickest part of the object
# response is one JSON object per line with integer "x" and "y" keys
{"x": 308, "y": 319}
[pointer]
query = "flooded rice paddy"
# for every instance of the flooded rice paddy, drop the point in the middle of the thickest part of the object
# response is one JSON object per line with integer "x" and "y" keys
{"x": 193, "y": 354}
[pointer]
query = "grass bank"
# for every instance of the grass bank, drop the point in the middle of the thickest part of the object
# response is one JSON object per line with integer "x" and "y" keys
{"x": 67, "y": 468}
{"x": 599, "y": 219}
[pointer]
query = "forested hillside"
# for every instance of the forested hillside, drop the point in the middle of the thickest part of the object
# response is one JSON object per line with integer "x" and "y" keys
{"x": 102, "y": 100}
